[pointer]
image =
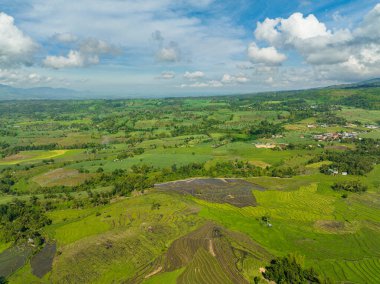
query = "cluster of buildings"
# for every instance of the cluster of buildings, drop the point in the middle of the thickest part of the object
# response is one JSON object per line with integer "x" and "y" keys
{"x": 335, "y": 136}
{"x": 336, "y": 172}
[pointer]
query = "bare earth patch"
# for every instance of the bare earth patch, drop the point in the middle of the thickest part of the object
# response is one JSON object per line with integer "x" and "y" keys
{"x": 66, "y": 177}
{"x": 15, "y": 157}
{"x": 236, "y": 192}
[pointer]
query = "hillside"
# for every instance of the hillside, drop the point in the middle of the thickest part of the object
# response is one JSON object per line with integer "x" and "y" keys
{"x": 232, "y": 189}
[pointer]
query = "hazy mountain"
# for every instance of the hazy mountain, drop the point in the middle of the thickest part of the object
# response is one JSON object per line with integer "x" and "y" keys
{"x": 372, "y": 83}
{"x": 41, "y": 93}
{"x": 47, "y": 93}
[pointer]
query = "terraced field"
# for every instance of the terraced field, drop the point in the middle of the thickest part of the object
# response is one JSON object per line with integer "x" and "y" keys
{"x": 211, "y": 254}
{"x": 221, "y": 208}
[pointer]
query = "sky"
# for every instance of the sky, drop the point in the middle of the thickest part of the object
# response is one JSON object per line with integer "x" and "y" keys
{"x": 187, "y": 47}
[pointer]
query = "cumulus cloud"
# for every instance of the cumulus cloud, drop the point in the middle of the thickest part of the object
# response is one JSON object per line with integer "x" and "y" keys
{"x": 266, "y": 55}
{"x": 369, "y": 28}
{"x": 340, "y": 54}
{"x": 15, "y": 47}
{"x": 196, "y": 75}
{"x": 307, "y": 35}
{"x": 88, "y": 53}
{"x": 73, "y": 59}
{"x": 299, "y": 27}
{"x": 267, "y": 30}
{"x": 166, "y": 53}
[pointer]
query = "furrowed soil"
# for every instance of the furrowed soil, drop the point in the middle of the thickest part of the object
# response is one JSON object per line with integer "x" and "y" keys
{"x": 42, "y": 262}
{"x": 236, "y": 192}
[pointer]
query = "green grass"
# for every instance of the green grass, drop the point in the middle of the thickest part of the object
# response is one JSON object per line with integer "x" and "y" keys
{"x": 357, "y": 114}
{"x": 81, "y": 235}
{"x": 159, "y": 160}
{"x": 167, "y": 277}
{"x": 31, "y": 156}
{"x": 293, "y": 215}
{"x": 4, "y": 246}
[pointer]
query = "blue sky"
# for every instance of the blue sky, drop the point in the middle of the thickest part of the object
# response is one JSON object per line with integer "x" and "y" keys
{"x": 187, "y": 47}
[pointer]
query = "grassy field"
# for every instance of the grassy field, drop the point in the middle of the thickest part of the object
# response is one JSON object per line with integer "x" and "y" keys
{"x": 31, "y": 156}
{"x": 111, "y": 225}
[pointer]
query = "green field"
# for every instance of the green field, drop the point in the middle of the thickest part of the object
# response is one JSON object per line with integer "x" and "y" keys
{"x": 91, "y": 180}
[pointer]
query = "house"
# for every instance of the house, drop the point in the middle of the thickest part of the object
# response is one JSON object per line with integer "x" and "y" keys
{"x": 335, "y": 136}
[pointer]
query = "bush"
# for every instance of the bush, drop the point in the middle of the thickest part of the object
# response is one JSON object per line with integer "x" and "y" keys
{"x": 351, "y": 186}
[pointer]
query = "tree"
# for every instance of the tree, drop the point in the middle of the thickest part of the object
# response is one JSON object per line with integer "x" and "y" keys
{"x": 283, "y": 270}
{"x": 351, "y": 186}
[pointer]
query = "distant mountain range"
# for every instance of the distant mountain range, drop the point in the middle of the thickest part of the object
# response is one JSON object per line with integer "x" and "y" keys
{"x": 41, "y": 93}
{"x": 47, "y": 93}
{"x": 373, "y": 83}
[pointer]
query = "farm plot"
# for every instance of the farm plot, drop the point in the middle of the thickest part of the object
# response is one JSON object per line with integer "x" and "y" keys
{"x": 232, "y": 191}
{"x": 211, "y": 254}
{"x": 42, "y": 262}
{"x": 66, "y": 177}
{"x": 13, "y": 258}
{"x": 31, "y": 156}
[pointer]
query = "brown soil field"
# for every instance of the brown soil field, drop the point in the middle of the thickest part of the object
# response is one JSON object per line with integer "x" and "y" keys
{"x": 13, "y": 258}
{"x": 61, "y": 176}
{"x": 15, "y": 157}
{"x": 42, "y": 262}
{"x": 236, "y": 192}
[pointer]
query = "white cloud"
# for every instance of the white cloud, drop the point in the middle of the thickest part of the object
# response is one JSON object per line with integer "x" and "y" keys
{"x": 168, "y": 54}
{"x": 266, "y": 55}
{"x": 339, "y": 55}
{"x": 20, "y": 77}
{"x": 299, "y": 27}
{"x": 167, "y": 75}
{"x": 15, "y": 47}
{"x": 73, "y": 59}
{"x": 196, "y": 75}
{"x": 267, "y": 31}
{"x": 130, "y": 23}
{"x": 370, "y": 27}
{"x": 232, "y": 79}
{"x": 209, "y": 84}
{"x": 90, "y": 49}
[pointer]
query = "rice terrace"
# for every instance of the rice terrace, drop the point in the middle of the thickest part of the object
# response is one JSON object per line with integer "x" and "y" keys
{"x": 189, "y": 142}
